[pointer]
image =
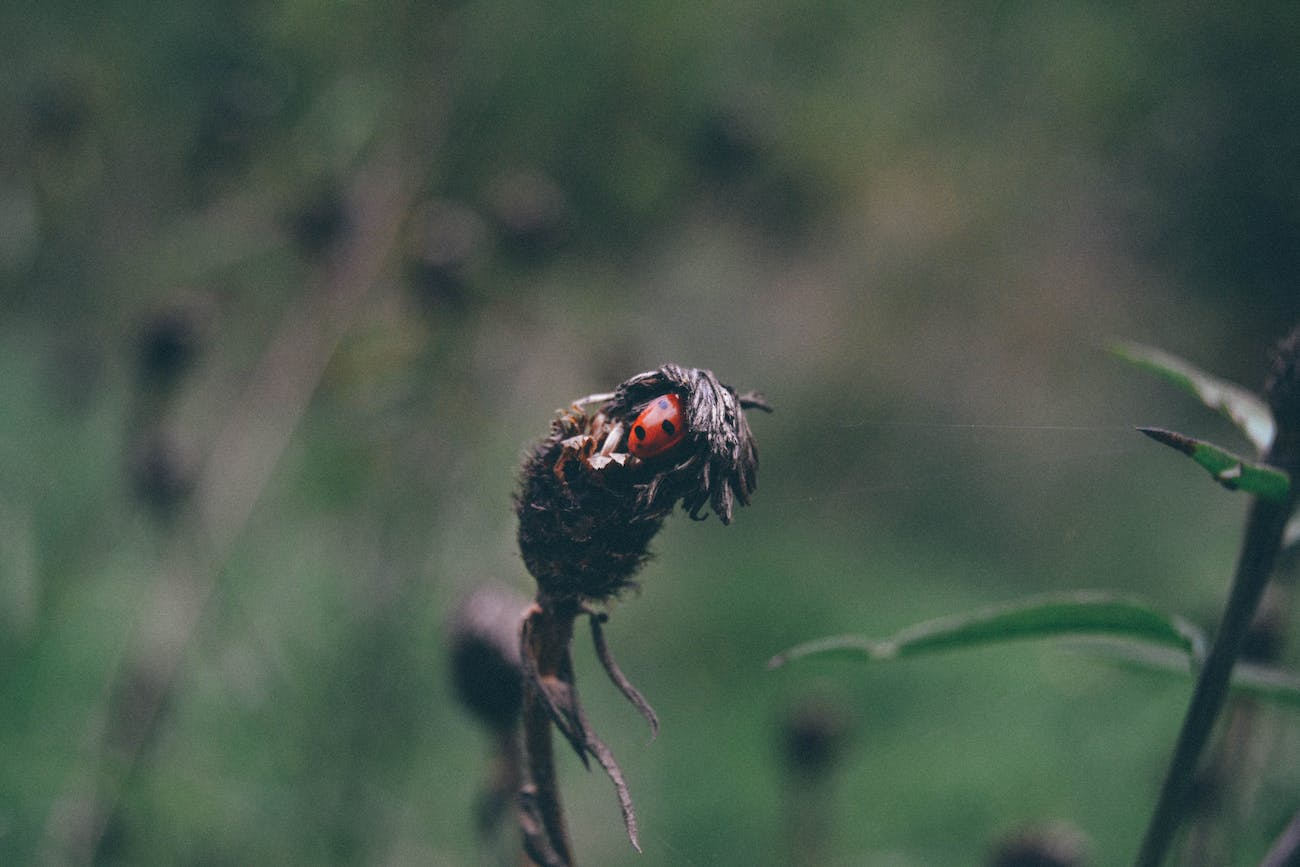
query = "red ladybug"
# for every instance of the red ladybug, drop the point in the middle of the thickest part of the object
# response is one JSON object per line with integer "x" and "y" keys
{"x": 658, "y": 428}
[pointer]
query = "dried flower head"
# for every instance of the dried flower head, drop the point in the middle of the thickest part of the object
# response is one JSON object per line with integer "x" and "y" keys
{"x": 588, "y": 505}
{"x": 593, "y": 494}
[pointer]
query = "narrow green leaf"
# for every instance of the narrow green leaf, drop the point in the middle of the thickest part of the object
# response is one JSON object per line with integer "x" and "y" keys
{"x": 1233, "y": 472}
{"x": 1246, "y": 410}
{"x": 1262, "y": 681}
{"x": 1074, "y": 614}
{"x": 1259, "y": 681}
{"x": 1122, "y": 630}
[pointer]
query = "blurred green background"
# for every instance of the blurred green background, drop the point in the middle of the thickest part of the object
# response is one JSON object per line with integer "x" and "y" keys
{"x": 288, "y": 288}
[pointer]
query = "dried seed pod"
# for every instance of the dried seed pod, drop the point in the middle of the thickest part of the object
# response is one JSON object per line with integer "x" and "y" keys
{"x": 588, "y": 507}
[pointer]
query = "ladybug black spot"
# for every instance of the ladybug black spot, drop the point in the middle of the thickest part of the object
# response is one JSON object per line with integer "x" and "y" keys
{"x": 639, "y": 432}
{"x": 669, "y": 428}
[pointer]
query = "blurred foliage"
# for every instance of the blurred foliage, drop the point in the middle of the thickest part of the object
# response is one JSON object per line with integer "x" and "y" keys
{"x": 913, "y": 226}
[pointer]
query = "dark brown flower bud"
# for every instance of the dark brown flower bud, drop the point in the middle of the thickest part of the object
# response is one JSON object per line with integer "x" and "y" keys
{"x": 588, "y": 506}
{"x": 485, "y": 667}
{"x": 1282, "y": 387}
{"x": 171, "y": 338}
{"x": 58, "y": 112}
{"x": 1056, "y": 845}
{"x": 529, "y": 210}
{"x": 446, "y": 250}
{"x": 319, "y": 220}
{"x": 813, "y": 736}
{"x": 162, "y": 471}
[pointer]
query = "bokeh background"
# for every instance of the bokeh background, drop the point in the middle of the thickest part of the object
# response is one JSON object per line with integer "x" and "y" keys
{"x": 288, "y": 287}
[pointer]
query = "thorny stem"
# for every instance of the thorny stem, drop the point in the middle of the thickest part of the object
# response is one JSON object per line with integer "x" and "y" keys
{"x": 1264, "y": 527}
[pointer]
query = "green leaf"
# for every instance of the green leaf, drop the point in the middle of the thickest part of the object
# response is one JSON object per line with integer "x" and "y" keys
{"x": 1148, "y": 639}
{"x": 1246, "y": 410}
{"x": 1264, "y": 681}
{"x": 1233, "y": 472}
{"x": 1260, "y": 681}
{"x": 1073, "y": 614}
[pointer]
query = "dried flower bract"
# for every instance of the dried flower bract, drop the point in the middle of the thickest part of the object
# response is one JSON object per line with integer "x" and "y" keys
{"x": 588, "y": 507}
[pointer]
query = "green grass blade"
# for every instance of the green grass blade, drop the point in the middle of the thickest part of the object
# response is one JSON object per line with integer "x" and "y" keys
{"x": 1070, "y": 614}
{"x": 1232, "y": 471}
{"x": 1246, "y": 410}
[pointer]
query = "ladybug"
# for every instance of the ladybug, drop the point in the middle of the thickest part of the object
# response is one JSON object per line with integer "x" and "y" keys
{"x": 659, "y": 427}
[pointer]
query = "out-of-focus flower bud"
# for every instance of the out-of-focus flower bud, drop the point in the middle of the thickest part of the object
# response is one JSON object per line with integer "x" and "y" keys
{"x": 485, "y": 668}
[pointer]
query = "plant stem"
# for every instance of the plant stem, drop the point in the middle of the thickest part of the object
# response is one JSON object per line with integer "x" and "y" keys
{"x": 1263, "y": 537}
{"x": 547, "y": 636}
{"x": 1286, "y": 849}
{"x": 544, "y": 787}
{"x": 250, "y": 441}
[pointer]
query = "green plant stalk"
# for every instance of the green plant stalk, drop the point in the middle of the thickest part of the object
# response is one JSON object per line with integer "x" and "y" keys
{"x": 1263, "y": 537}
